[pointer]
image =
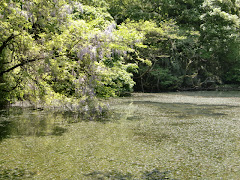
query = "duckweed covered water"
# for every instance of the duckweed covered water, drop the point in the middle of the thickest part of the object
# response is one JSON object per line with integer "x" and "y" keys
{"x": 189, "y": 135}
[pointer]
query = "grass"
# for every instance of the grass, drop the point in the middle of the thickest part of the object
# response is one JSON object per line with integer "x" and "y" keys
{"x": 154, "y": 136}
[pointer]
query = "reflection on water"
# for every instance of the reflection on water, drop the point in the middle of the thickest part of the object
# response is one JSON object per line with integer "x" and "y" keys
{"x": 5, "y": 127}
{"x": 17, "y": 122}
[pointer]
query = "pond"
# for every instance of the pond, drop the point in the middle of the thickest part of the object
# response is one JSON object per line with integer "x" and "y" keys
{"x": 181, "y": 135}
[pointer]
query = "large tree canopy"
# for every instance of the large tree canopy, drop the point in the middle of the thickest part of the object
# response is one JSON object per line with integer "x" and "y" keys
{"x": 62, "y": 49}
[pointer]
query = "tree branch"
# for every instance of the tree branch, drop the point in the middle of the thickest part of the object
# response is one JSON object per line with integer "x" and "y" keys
{"x": 5, "y": 43}
{"x": 12, "y": 88}
{"x": 148, "y": 70}
{"x": 19, "y": 65}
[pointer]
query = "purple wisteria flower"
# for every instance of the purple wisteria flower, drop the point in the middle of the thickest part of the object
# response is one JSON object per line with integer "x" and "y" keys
{"x": 110, "y": 28}
{"x": 78, "y": 6}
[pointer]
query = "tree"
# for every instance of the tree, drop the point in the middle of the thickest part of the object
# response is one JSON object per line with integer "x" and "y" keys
{"x": 220, "y": 37}
{"x": 62, "y": 51}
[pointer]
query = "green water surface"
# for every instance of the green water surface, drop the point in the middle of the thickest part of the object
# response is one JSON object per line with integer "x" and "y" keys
{"x": 184, "y": 135}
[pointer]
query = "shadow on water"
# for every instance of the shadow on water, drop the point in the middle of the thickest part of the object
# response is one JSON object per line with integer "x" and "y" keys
{"x": 138, "y": 110}
{"x": 109, "y": 175}
{"x": 213, "y": 94}
{"x": 155, "y": 174}
{"x": 184, "y": 110}
{"x": 15, "y": 173}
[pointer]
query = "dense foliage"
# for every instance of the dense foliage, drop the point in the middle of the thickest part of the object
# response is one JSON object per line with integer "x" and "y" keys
{"x": 59, "y": 52}
{"x": 54, "y": 52}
